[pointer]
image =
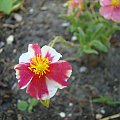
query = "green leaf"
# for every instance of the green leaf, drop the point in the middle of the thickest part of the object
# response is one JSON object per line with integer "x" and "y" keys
{"x": 99, "y": 45}
{"x": 22, "y": 105}
{"x": 106, "y": 100}
{"x": 6, "y": 6}
{"x": 89, "y": 50}
{"x": 45, "y": 102}
{"x": 32, "y": 103}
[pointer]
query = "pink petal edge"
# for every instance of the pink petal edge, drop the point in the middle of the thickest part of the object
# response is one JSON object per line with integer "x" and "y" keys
{"x": 23, "y": 74}
{"x": 60, "y": 72}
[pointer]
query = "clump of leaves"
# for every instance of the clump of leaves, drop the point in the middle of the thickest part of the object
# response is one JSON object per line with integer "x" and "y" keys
{"x": 93, "y": 32}
{"x": 27, "y": 105}
{"x": 8, "y": 6}
{"x": 31, "y": 103}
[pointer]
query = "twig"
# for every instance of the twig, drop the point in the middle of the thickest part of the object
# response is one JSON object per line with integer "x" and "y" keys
{"x": 91, "y": 107}
{"x": 111, "y": 117}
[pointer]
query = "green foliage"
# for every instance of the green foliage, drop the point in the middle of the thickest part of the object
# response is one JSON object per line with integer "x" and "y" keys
{"x": 106, "y": 100}
{"x": 7, "y": 6}
{"x": 22, "y": 105}
{"x": 32, "y": 103}
{"x": 27, "y": 105}
{"x": 93, "y": 32}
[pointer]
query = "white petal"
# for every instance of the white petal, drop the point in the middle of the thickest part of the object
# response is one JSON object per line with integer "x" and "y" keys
{"x": 52, "y": 87}
{"x": 69, "y": 72}
{"x": 53, "y": 53}
{"x": 25, "y": 57}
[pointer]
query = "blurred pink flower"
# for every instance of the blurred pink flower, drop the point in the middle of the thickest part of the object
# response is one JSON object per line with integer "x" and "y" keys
{"x": 72, "y": 4}
{"x": 41, "y": 71}
{"x": 110, "y": 9}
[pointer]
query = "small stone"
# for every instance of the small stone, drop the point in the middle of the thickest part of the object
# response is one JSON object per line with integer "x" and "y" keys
{"x": 72, "y": 77}
{"x": 98, "y": 116}
{"x": 2, "y": 44}
{"x": 69, "y": 114}
{"x": 83, "y": 69}
{"x": 62, "y": 114}
{"x": 66, "y": 24}
{"x": 17, "y": 17}
{"x": 19, "y": 116}
{"x": 10, "y": 39}
{"x": 74, "y": 38}
{"x": 102, "y": 111}
{"x": 44, "y": 8}
{"x": 14, "y": 51}
{"x": 70, "y": 104}
{"x": 10, "y": 111}
{"x": 1, "y": 50}
{"x": 31, "y": 11}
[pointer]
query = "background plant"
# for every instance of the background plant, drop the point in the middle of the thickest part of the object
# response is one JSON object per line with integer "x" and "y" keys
{"x": 93, "y": 32}
{"x": 8, "y": 6}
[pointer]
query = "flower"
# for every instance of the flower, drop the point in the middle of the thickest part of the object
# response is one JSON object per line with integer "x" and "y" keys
{"x": 41, "y": 71}
{"x": 75, "y": 4}
{"x": 110, "y": 9}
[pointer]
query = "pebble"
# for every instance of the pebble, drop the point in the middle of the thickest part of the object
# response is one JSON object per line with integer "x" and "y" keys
{"x": 65, "y": 24}
{"x": 14, "y": 51}
{"x": 72, "y": 77}
{"x": 102, "y": 111}
{"x": 31, "y": 11}
{"x": 19, "y": 116}
{"x": 98, "y": 116}
{"x": 70, "y": 104}
{"x": 83, "y": 69}
{"x": 17, "y": 17}
{"x": 69, "y": 114}
{"x": 44, "y": 8}
{"x": 2, "y": 44}
{"x": 62, "y": 114}
{"x": 10, "y": 39}
{"x": 74, "y": 38}
{"x": 1, "y": 50}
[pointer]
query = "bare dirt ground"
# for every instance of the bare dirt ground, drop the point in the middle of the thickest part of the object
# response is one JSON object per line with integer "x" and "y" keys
{"x": 42, "y": 22}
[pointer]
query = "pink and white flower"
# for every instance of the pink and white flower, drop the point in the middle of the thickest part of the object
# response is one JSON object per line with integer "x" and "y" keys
{"x": 72, "y": 4}
{"x": 110, "y": 9}
{"x": 41, "y": 71}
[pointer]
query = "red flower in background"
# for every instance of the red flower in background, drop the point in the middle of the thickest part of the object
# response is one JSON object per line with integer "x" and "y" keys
{"x": 41, "y": 71}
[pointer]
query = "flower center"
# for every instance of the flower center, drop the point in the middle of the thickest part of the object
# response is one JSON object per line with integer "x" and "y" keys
{"x": 115, "y": 3}
{"x": 39, "y": 65}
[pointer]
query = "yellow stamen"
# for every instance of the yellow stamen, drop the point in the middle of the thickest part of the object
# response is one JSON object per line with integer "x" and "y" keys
{"x": 39, "y": 65}
{"x": 115, "y": 3}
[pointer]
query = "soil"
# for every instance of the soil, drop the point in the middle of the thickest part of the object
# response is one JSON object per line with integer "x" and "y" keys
{"x": 42, "y": 21}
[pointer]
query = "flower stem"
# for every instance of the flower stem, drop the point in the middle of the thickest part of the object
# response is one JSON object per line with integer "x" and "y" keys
{"x": 60, "y": 39}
